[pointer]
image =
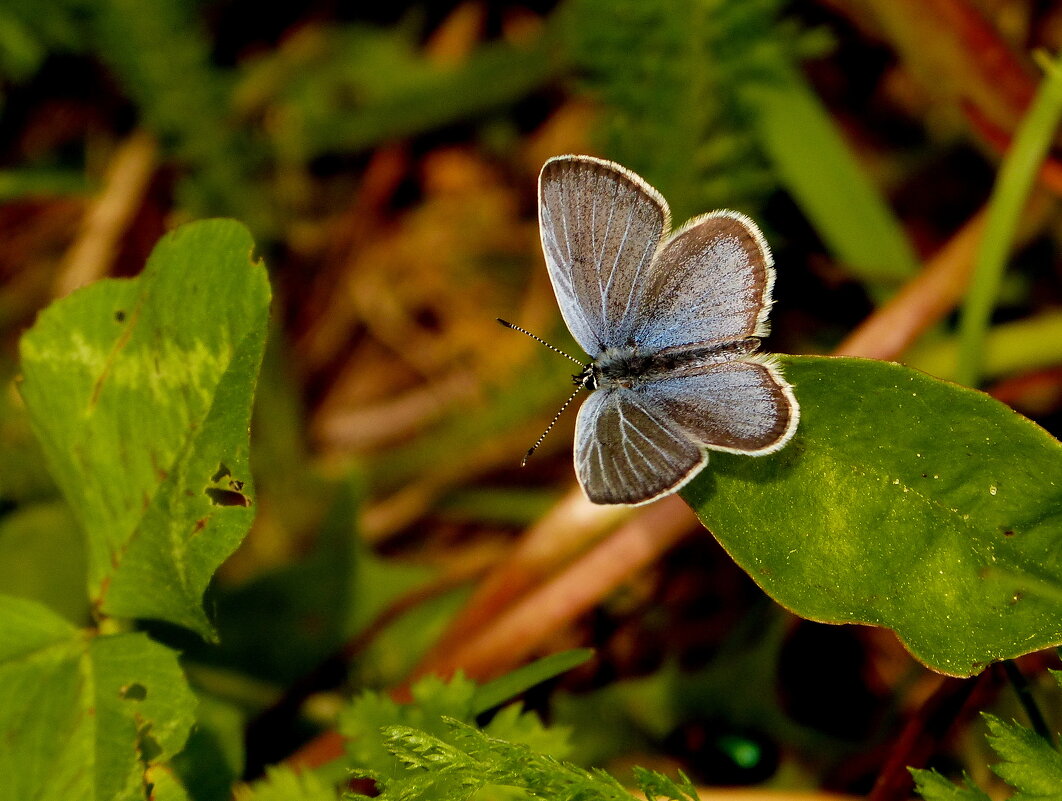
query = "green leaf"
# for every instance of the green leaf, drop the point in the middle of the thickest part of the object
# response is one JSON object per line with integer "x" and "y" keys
{"x": 905, "y": 502}
{"x": 505, "y": 688}
{"x": 1030, "y": 765}
{"x": 284, "y": 784}
{"x": 464, "y": 761}
{"x": 27, "y": 626}
{"x": 139, "y": 391}
{"x": 933, "y": 787}
{"x": 658, "y": 786}
{"x": 163, "y": 784}
{"x": 82, "y": 716}
{"x": 436, "y": 704}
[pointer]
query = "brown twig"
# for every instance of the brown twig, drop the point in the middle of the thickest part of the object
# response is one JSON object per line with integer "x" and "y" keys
{"x": 108, "y": 214}
{"x": 521, "y": 628}
{"x": 567, "y": 530}
{"x": 921, "y": 736}
{"x": 931, "y": 294}
{"x": 924, "y": 300}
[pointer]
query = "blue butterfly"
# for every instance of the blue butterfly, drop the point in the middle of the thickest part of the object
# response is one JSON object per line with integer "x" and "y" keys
{"x": 672, "y": 322}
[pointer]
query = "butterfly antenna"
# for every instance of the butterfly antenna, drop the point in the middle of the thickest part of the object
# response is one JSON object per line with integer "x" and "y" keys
{"x": 507, "y": 324}
{"x": 553, "y": 422}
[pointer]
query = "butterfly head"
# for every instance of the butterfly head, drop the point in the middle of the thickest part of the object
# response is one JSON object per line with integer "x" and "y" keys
{"x": 588, "y": 378}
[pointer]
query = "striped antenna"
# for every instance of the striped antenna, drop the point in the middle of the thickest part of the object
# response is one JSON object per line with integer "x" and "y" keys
{"x": 553, "y": 422}
{"x": 567, "y": 403}
{"x": 538, "y": 339}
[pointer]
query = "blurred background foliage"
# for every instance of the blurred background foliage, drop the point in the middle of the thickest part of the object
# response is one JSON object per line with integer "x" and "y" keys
{"x": 384, "y": 157}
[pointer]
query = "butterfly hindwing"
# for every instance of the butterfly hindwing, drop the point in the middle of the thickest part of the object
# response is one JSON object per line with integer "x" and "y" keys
{"x": 741, "y": 406}
{"x": 635, "y": 444}
{"x": 628, "y": 452}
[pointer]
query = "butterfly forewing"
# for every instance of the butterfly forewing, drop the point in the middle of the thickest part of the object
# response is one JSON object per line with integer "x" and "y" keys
{"x": 627, "y": 451}
{"x": 600, "y": 227}
{"x": 711, "y": 282}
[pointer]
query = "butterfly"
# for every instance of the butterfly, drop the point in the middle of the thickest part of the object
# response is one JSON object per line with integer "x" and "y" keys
{"x": 672, "y": 323}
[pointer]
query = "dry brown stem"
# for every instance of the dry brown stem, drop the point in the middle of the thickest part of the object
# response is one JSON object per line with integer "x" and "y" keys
{"x": 109, "y": 214}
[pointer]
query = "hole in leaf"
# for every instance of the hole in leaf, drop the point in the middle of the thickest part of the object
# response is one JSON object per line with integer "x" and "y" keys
{"x": 119, "y": 316}
{"x": 224, "y": 497}
{"x": 220, "y": 473}
{"x": 133, "y": 692}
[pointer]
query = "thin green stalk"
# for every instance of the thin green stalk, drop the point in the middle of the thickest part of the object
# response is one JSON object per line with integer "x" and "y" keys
{"x": 1016, "y": 177}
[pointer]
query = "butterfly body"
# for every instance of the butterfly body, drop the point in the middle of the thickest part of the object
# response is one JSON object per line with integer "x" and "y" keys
{"x": 675, "y": 322}
{"x": 631, "y": 365}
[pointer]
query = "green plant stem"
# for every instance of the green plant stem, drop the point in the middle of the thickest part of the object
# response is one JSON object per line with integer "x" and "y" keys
{"x": 1016, "y": 177}
{"x": 1021, "y": 688}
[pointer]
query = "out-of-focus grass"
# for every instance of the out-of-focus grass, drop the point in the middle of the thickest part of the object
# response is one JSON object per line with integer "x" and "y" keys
{"x": 1016, "y": 176}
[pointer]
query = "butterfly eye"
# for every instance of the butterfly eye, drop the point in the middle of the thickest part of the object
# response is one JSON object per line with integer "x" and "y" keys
{"x": 587, "y": 379}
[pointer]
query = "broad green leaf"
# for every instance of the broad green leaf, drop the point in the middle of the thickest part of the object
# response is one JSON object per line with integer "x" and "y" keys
{"x": 84, "y": 716}
{"x": 24, "y": 476}
{"x": 27, "y": 626}
{"x": 1030, "y": 765}
{"x": 139, "y": 391}
{"x": 906, "y": 502}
